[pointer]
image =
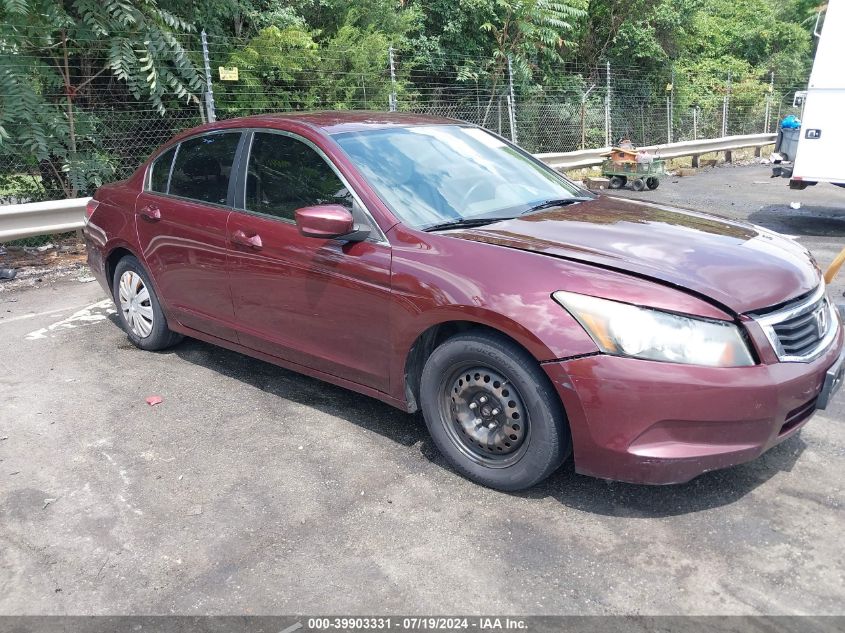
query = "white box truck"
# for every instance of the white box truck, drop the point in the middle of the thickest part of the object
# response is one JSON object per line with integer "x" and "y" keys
{"x": 820, "y": 152}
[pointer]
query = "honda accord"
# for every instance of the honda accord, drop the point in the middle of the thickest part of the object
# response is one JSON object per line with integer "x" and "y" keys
{"x": 435, "y": 266}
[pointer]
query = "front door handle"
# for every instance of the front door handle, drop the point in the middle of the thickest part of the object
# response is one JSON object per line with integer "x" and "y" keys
{"x": 151, "y": 213}
{"x": 254, "y": 241}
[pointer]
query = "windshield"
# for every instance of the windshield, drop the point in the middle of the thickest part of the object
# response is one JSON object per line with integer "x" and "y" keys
{"x": 434, "y": 174}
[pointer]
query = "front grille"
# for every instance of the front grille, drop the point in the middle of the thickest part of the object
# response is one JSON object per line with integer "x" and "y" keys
{"x": 801, "y": 334}
{"x": 801, "y": 329}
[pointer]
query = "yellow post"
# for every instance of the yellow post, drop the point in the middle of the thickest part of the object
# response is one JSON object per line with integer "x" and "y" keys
{"x": 834, "y": 267}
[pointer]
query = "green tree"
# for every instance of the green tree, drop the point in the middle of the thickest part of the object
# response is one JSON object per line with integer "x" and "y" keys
{"x": 238, "y": 18}
{"x": 276, "y": 70}
{"x": 643, "y": 33}
{"x": 748, "y": 38}
{"x": 396, "y": 19}
{"x": 353, "y": 70}
{"x": 526, "y": 31}
{"x": 53, "y": 53}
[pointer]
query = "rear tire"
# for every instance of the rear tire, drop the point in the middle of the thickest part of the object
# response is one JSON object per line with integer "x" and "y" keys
{"x": 138, "y": 307}
{"x": 652, "y": 182}
{"x": 492, "y": 412}
{"x": 638, "y": 184}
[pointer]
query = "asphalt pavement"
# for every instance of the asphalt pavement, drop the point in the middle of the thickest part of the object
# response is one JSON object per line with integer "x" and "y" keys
{"x": 251, "y": 489}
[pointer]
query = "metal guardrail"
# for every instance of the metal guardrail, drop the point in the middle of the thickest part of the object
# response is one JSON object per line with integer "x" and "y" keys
{"x": 41, "y": 218}
{"x": 591, "y": 157}
{"x": 59, "y": 216}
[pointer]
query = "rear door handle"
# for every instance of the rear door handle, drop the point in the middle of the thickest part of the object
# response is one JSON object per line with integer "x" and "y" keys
{"x": 254, "y": 241}
{"x": 151, "y": 213}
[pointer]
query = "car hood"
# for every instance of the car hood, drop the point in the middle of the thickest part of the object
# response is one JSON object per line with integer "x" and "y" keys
{"x": 739, "y": 266}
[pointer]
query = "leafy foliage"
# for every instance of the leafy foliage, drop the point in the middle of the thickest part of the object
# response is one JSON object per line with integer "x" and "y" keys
{"x": 274, "y": 69}
{"x": 303, "y": 54}
{"x": 349, "y": 62}
{"x": 52, "y": 55}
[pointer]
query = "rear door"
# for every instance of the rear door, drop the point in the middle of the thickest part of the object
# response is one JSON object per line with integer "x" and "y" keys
{"x": 181, "y": 218}
{"x": 316, "y": 302}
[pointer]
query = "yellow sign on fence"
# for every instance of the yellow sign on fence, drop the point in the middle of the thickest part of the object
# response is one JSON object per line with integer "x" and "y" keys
{"x": 228, "y": 73}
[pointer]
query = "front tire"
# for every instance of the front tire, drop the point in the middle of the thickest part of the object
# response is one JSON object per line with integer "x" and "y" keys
{"x": 138, "y": 307}
{"x": 492, "y": 412}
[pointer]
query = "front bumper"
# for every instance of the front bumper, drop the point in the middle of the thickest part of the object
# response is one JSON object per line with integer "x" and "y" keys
{"x": 662, "y": 423}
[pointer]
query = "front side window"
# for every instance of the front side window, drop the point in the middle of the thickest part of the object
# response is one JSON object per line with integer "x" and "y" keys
{"x": 160, "y": 171}
{"x": 431, "y": 174}
{"x": 202, "y": 167}
{"x": 285, "y": 174}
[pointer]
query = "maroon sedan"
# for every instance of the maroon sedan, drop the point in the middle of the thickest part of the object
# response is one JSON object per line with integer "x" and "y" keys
{"x": 437, "y": 267}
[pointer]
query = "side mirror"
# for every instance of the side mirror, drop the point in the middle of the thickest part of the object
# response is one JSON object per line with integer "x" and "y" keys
{"x": 327, "y": 221}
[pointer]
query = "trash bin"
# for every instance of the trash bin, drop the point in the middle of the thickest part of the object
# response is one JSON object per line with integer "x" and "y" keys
{"x": 788, "y": 142}
{"x": 788, "y": 135}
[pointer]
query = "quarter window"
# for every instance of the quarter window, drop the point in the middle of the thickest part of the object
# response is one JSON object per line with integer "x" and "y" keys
{"x": 160, "y": 171}
{"x": 202, "y": 167}
{"x": 285, "y": 174}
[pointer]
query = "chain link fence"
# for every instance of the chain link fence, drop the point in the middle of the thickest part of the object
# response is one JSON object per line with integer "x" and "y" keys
{"x": 572, "y": 108}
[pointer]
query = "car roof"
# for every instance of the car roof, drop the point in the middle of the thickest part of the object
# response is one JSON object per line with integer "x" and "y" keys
{"x": 325, "y": 122}
{"x": 334, "y": 122}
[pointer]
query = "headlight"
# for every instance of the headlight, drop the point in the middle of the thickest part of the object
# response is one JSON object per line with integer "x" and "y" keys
{"x": 627, "y": 330}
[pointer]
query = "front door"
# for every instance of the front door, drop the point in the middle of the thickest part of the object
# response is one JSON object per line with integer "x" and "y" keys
{"x": 319, "y": 303}
{"x": 181, "y": 219}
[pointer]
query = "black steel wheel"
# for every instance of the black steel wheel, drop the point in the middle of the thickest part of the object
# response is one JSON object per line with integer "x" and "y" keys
{"x": 492, "y": 412}
{"x": 638, "y": 184}
{"x": 652, "y": 182}
{"x": 488, "y": 419}
{"x": 617, "y": 182}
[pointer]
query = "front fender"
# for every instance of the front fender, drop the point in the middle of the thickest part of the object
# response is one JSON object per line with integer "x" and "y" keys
{"x": 438, "y": 279}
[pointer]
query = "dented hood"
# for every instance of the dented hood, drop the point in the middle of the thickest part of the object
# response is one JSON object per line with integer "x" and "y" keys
{"x": 739, "y": 266}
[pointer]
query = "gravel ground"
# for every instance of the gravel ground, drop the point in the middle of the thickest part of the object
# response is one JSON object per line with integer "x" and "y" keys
{"x": 253, "y": 490}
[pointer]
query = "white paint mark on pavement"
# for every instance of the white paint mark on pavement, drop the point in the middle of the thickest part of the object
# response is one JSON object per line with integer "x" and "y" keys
{"x": 90, "y": 314}
{"x": 34, "y": 315}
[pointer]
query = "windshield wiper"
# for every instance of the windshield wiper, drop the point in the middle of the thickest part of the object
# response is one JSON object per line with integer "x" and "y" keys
{"x": 562, "y": 202}
{"x": 462, "y": 223}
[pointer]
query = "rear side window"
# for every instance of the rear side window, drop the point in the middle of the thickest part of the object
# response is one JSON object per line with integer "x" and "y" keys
{"x": 286, "y": 174}
{"x": 160, "y": 171}
{"x": 202, "y": 167}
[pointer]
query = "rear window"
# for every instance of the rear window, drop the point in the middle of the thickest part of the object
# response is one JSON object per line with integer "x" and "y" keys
{"x": 202, "y": 167}
{"x": 160, "y": 171}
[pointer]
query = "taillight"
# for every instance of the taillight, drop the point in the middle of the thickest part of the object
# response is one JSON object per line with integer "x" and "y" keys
{"x": 90, "y": 208}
